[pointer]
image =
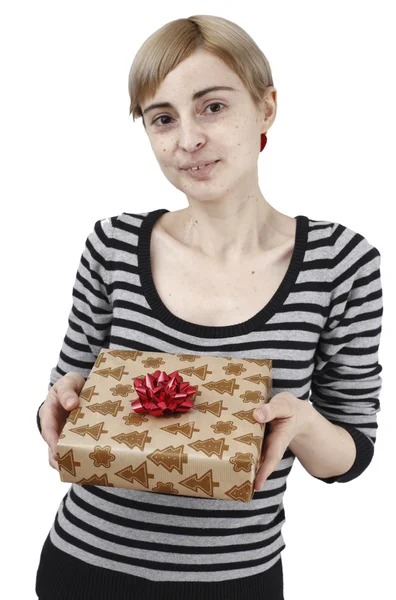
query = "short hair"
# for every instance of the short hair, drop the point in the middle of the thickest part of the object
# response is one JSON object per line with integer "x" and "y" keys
{"x": 177, "y": 40}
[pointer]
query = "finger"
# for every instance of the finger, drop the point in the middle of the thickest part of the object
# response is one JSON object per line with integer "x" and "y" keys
{"x": 267, "y": 412}
{"x": 280, "y": 405}
{"x": 275, "y": 449}
{"x": 260, "y": 414}
{"x": 50, "y": 427}
{"x": 68, "y": 389}
{"x": 52, "y": 462}
{"x": 261, "y": 473}
{"x": 260, "y": 478}
{"x": 67, "y": 397}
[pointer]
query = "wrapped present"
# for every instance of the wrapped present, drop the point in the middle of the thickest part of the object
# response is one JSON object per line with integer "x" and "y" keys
{"x": 168, "y": 423}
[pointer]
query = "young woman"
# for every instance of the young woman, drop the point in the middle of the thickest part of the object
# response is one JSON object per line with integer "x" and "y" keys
{"x": 231, "y": 275}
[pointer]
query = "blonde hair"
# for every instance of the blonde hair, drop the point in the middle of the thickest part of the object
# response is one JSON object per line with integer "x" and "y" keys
{"x": 178, "y": 39}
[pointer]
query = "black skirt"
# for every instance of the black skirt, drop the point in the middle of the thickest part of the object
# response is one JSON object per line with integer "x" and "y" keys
{"x": 61, "y": 576}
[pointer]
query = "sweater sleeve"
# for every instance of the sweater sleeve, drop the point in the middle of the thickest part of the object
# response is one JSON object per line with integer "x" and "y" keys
{"x": 90, "y": 317}
{"x": 346, "y": 382}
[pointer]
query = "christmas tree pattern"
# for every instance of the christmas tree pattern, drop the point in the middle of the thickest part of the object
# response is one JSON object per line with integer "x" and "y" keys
{"x": 107, "y": 408}
{"x": 75, "y": 415}
{"x": 259, "y": 379}
{"x": 187, "y": 429}
{"x": 102, "y": 456}
{"x": 222, "y": 386}
{"x": 250, "y": 439}
{"x": 211, "y": 446}
{"x": 68, "y": 463}
{"x": 116, "y": 372}
{"x": 140, "y": 474}
{"x": 88, "y": 392}
{"x": 100, "y": 359}
{"x": 241, "y": 492}
{"x": 170, "y": 458}
{"x": 200, "y": 372}
{"x": 215, "y": 407}
{"x": 204, "y": 483}
{"x": 126, "y": 354}
{"x": 260, "y": 362}
{"x": 133, "y": 439}
{"x": 246, "y": 415}
{"x": 166, "y": 456}
{"x": 96, "y": 480}
{"x": 95, "y": 431}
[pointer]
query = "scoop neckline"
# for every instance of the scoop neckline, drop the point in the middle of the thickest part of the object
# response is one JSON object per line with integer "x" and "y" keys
{"x": 255, "y": 322}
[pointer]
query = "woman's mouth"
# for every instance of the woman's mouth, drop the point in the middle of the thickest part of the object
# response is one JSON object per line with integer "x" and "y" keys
{"x": 200, "y": 172}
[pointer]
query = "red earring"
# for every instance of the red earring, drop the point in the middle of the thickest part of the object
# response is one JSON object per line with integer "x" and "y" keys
{"x": 263, "y": 141}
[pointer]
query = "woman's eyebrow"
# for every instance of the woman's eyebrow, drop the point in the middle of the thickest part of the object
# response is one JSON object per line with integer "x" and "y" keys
{"x": 194, "y": 97}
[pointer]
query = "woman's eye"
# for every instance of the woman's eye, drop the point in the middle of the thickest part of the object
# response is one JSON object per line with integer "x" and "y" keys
{"x": 155, "y": 122}
{"x": 159, "y": 123}
{"x": 215, "y": 104}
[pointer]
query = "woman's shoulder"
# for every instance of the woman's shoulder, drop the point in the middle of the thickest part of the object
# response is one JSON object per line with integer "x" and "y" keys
{"x": 122, "y": 222}
{"x": 122, "y": 231}
{"x": 340, "y": 236}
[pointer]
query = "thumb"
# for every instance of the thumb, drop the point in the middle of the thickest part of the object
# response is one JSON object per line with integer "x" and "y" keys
{"x": 68, "y": 390}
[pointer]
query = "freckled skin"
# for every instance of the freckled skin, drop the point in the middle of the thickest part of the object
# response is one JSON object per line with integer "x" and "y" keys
{"x": 221, "y": 125}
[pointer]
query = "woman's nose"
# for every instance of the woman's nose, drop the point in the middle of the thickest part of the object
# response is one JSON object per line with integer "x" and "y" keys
{"x": 190, "y": 137}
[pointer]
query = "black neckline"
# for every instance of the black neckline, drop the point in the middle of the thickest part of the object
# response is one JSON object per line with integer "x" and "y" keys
{"x": 254, "y": 323}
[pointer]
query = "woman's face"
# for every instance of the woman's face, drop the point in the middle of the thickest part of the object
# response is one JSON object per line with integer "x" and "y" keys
{"x": 220, "y": 125}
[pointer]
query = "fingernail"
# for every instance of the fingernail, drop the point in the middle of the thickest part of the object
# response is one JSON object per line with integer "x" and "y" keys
{"x": 69, "y": 402}
{"x": 259, "y": 413}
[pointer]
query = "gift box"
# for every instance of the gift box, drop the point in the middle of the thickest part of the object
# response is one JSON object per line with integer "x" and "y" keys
{"x": 178, "y": 424}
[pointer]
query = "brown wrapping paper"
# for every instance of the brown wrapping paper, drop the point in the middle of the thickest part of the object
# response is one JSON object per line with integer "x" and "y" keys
{"x": 211, "y": 451}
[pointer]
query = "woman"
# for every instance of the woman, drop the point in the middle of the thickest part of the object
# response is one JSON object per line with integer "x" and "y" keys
{"x": 231, "y": 275}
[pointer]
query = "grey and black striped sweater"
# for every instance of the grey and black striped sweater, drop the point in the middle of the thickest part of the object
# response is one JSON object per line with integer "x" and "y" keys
{"x": 322, "y": 331}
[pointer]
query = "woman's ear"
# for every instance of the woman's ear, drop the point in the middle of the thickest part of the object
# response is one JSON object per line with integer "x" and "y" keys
{"x": 268, "y": 108}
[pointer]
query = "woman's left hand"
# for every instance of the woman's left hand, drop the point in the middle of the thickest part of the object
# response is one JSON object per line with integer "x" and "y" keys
{"x": 288, "y": 416}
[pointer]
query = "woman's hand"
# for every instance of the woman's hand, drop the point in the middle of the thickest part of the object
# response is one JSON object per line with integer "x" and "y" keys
{"x": 288, "y": 416}
{"x": 62, "y": 398}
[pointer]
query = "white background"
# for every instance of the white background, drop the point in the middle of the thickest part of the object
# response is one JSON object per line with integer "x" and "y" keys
{"x": 70, "y": 155}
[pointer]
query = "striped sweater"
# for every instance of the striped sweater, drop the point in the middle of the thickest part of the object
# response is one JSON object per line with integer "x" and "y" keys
{"x": 322, "y": 331}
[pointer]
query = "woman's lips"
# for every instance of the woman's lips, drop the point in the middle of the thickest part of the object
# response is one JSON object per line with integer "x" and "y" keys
{"x": 202, "y": 172}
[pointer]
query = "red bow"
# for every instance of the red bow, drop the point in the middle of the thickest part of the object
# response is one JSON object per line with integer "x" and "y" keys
{"x": 162, "y": 394}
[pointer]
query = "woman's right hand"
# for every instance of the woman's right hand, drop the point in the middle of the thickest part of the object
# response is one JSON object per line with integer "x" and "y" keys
{"x": 56, "y": 409}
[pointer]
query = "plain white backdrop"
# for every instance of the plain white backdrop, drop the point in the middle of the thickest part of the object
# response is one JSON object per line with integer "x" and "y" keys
{"x": 70, "y": 155}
